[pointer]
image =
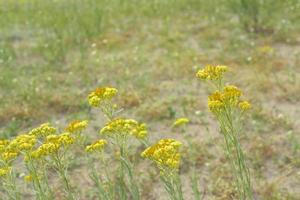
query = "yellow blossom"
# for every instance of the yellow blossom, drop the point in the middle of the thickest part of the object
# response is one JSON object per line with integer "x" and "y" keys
{"x": 23, "y": 142}
{"x": 212, "y": 72}
{"x": 96, "y": 146}
{"x": 52, "y": 144}
{"x": 3, "y": 145}
{"x": 229, "y": 97}
{"x": 266, "y": 49}
{"x": 4, "y": 171}
{"x": 8, "y": 155}
{"x": 181, "y": 121}
{"x": 77, "y": 126}
{"x": 165, "y": 153}
{"x": 28, "y": 178}
{"x": 215, "y": 106}
{"x": 125, "y": 127}
{"x": 231, "y": 92}
{"x": 43, "y": 130}
{"x": 244, "y": 105}
{"x": 100, "y": 95}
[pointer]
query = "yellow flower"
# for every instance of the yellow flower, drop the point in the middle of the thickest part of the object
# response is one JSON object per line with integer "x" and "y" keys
{"x": 165, "y": 153}
{"x": 100, "y": 95}
{"x": 43, "y": 130}
{"x": 4, "y": 171}
{"x": 215, "y": 106}
{"x": 125, "y": 127}
{"x": 181, "y": 121}
{"x": 266, "y": 49}
{"x": 28, "y": 178}
{"x": 96, "y": 146}
{"x": 8, "y": 155}
{"x": 3, "y": 145}
{"x": 52, "y": 144}
{"x": 218, "y": 100}
{"x": 244, "y": 105}
{"x": 212, "y": 72}
{"x": 231, "y": 91}
{"x": 23, "y": 142}
{"x": 77, "y": 126}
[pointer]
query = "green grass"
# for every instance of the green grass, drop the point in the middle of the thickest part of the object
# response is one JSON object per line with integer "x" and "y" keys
{"x": 53, "y": 53}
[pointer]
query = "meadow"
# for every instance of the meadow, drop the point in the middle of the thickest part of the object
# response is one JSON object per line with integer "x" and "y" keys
{"x": 54, "y": 54}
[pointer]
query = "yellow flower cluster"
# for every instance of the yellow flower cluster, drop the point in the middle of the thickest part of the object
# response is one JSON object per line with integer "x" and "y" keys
{"x": 8, "y": 155}
{"x": 125, "y": 127}
{"x": 212, "y": 72}
{"x": 229, "y": 97}
{"x": 165, "y": 153}
{"x": 101, "y": 94}
{"x": 77, "y": 126}
{"x": 3, "y": 144}
{"x": 181, "y": 121}
{"x": 28, "y": 178}
{"x": 52, "y": 145}
{"x": 23, "y": 142}
{"x": 244, "y": 105}
{"x": 96, "y": 146}
{"x": 43, "y": 130}
{"x": 4, "y": 171}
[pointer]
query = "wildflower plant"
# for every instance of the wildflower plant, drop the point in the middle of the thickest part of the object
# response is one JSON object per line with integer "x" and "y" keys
{"x": 53, "y": 152}
{"x": 166, "y": 156}
{"x": 7, "y": 174}
{"x": 226, "y": 105}
{"x": 118, "y": 132}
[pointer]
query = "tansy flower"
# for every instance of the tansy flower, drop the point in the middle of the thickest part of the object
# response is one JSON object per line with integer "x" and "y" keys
{"x": 212, "y": 72}
{"x": 4, "y": 171}
{"x": 231, "y": 93}
{"x": 96, "y": 146}
{"x": 23, "y": 142}
{"x": 165, "y": 154}
{"x": 77, "y": 126}
{"x": 100, "y": 95}
{"x": 244, "y": 105}
{"x": 28, "y": 178}
{"x": 52, "y": 144}
{"x": 43, "y": 130}
{"x": 125, "y": 127}
{"x": 181, "y": 121}
{"x": 215, "y": 106}
{"x": 219, "y": 100}
{"x": 8, "y": 155}
{"x": 3, "y": 145}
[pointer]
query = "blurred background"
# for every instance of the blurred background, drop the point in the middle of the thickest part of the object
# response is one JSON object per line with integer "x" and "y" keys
{"x": 54, "y": 52}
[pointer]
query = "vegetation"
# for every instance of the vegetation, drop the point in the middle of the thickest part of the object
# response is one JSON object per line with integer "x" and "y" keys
{"x": 53, "y": 53}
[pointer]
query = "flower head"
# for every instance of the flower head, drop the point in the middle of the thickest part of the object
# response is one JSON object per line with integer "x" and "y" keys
{"x": 96, "y": 146}
{"x": 52, "y": 144}
{"x": 125, "y": 127}
{"x": 43, "y": 130}
{"x": 23, "y": 142}
{"x": 181, "y": 121}
{"x": 4, "y": 171}
{"x": 8, "y": 155}
{"x": 244, "y": 105}
{"x": 165, "y": 153}
{"x": 212, "y": 72}
{"x": 77, "y": 126}
{"x": 28, "y": 178}
{"x": 100, "y": 95}
{"x": 3, "y": 145}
